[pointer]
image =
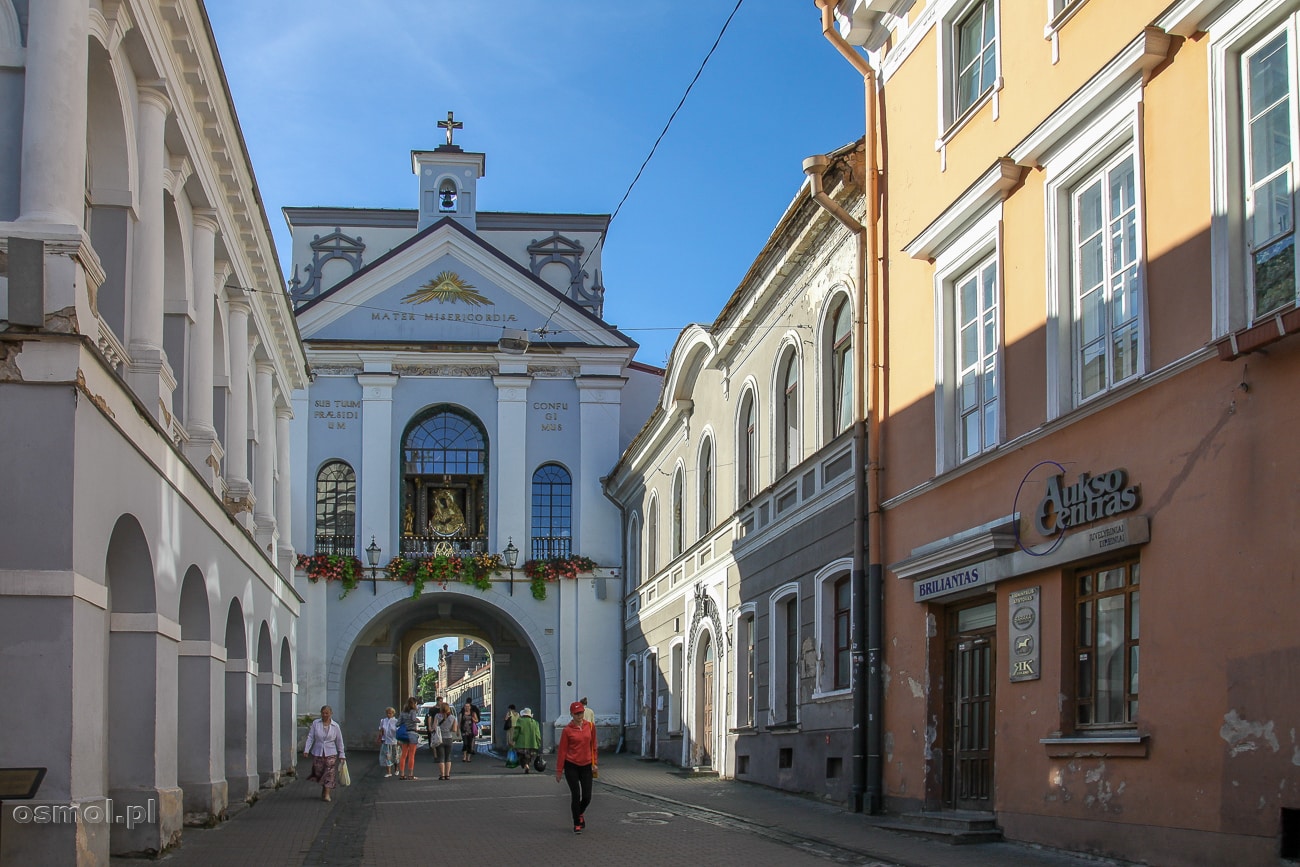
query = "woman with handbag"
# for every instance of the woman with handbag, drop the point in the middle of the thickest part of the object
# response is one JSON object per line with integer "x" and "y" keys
{"x": 442, "y": 731}
{"x": 325, "y": 748}
{"x": 468, "y": 729}
{"x": 406, "y": 726}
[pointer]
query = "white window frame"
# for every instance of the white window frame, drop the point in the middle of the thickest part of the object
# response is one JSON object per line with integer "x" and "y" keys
{"x": 652, "y": 533}
{"x": 1241, "y": 28}
{"x": 741, "y": 688}
{"x": 706, "y": 484}
{"x": 782, "y": 448}
{"x": 830, "y": 428}
{"x": 630, "y": 679}
{"x": 979, "y": 243}
{"x": 677, "y": 499}
{"x": 1095, "y": 142}
{"x": 951, "y": 121}
{"x": 747, "y": 449}
{"x": 676, "y": 670}
{"x": 776, "y": 643}
{"x": 635, "y": 569}
{"x": 825, "y": 582}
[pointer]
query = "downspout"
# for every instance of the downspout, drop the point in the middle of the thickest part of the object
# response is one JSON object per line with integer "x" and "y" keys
{"x": 868, "y": 589}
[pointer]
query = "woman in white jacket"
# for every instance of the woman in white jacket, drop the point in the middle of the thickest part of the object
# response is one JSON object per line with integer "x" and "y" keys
{"x": 325, "y": 747}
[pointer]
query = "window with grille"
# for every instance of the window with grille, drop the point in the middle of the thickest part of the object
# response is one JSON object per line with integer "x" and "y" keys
{"x": 1106, "y": 646}
{"x": 552, "y": 512}
{"x": 336, "y": 509}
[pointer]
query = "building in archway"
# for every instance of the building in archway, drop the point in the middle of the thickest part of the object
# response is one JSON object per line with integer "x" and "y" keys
{"x": 467, "y": 399}
{"x": 148, "y": 623}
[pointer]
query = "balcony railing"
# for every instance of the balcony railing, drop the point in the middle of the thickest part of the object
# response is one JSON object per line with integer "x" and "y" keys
{"x": 330, "y": 544}
{"x": 546, "y": 547}
{"x": 427, "y": 546}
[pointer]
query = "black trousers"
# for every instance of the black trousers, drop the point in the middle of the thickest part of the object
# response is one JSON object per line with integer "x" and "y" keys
{"x": 579, "y": 779}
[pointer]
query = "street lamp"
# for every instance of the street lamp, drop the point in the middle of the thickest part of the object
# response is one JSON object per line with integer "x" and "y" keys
{"x": 512, "y": 557}
{"x": 372, "y": 557}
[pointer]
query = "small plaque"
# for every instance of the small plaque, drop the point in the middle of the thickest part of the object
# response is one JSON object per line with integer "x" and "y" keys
{"x": 1024, "y": 635}
{"x": 20, "y": 784}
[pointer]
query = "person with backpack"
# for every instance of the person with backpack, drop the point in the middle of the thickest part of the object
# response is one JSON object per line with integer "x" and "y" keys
{"x": 527, "y": 739}
{"x": 512, "y": 716}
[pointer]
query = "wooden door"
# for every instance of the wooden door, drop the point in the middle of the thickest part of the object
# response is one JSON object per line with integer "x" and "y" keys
{"x": 652, "y": 704}
{"x": 706, "y": 707}
{"x": 969, "y": 713}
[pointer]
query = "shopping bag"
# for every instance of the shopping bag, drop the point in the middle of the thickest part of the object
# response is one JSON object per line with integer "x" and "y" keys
{"x": 512, "y": 759}
{"x": 345, "y": 778}
{"x": 539, "y": 764}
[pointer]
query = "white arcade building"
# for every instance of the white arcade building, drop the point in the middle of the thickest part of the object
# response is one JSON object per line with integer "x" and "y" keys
{"x": 466, "y": 401}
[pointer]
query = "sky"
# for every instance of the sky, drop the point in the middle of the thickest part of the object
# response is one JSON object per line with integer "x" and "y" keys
{"x": 566, "y": 98}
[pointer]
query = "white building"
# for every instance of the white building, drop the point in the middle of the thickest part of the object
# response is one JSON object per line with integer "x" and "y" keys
{"x": 466, "y": 398}
{"x": 147, "y": 357}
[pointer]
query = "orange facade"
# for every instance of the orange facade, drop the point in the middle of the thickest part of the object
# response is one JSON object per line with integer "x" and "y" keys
{"x": 1089, "y": 484}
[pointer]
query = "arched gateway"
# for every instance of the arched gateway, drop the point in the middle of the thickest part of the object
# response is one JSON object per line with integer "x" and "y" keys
{"x": 461, "y": 406}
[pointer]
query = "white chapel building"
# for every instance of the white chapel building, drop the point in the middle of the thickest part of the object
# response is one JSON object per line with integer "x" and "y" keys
{"x": 466, "y": 399}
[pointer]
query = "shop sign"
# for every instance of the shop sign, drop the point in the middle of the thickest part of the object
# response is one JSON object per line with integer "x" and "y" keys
{"x": 1089, "y": 499}
{"x": 1023, "y": 633}
{"x": 966, "y": 577}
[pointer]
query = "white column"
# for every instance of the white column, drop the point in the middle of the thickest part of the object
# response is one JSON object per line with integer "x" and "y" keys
{"x": 283, "y": 492}
{"x": 202, "y": 435}
{"x": 53, "y": 175}
{"x": 599, "y": 533}
{"x": 376, "y": 471}
{"x": 239, "y": 494}
{"x": 264, "y": 469}
{"x": 509, "y": 457}
{"x": 145, "y": 317}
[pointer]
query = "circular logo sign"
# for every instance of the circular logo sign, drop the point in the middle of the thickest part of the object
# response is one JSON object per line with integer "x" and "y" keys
{"x": 1023, "y": 618}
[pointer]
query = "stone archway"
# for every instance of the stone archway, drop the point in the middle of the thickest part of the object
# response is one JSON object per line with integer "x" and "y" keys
{"x": 268, "y": 705}
{"x": 200, "y": 675}
{"x": 366, "y": 673}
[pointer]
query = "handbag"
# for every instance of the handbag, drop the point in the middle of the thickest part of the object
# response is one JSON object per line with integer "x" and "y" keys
{"x": 403, "y": 735}
{"x": 512, "y": 758}
{"x": 345, "y": 778}
{"x": 539, "y": 764}
{"x": 435, "y": 736}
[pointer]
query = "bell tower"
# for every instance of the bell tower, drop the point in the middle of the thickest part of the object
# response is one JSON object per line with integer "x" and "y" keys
{"x": 448, "y": 179}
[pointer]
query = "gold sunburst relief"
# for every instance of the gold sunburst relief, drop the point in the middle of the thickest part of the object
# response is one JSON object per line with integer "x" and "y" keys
{"x": 447, "y": 286}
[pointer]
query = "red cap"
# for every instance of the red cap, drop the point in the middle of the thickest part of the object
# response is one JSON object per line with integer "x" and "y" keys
{"x": 577, "y": 708}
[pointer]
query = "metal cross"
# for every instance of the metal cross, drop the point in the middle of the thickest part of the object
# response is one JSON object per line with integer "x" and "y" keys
{"x": 450, "y": 125}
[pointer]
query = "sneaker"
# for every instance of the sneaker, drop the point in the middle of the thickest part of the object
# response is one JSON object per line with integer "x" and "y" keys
{"x": 582, "y": 822}
{"x": 577, "y": 829}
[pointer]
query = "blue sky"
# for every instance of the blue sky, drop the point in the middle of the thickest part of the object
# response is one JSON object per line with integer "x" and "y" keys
{"x": 566, "y": 98}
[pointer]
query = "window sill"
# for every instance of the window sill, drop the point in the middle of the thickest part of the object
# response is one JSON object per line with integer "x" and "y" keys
{"x": 782, "y": 728}
{"x": 832, "y": 694}
{"x": 1114, "y": 746}
{"x": 743, "y": 730}
{"x": 1259, "y": 335}
{"x": 960, "y": 121}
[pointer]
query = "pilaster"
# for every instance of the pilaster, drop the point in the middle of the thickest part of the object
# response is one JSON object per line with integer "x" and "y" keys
{"x": 376, "y": 471}
{"x": 510, "y": 459}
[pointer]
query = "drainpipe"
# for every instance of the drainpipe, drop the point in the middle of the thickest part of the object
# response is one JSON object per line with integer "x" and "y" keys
{"x": 868, "y": 589}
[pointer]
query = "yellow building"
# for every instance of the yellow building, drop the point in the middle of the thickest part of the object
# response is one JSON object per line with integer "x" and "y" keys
{"x": 1086, "y": 476}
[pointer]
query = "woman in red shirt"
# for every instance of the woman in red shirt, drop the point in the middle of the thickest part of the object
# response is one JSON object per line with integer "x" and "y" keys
{"x": 576, "y": 762}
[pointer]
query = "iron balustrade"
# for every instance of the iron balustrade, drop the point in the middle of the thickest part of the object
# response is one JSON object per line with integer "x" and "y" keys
{"x": 546, "y": 547}
{"x": 426, "y": 546}
{"x": 332, "y": 544}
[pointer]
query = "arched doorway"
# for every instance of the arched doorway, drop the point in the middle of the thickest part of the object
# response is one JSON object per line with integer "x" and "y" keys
{"x": 704, "y": 690}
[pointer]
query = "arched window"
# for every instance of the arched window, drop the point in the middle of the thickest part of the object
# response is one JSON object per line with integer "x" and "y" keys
{"x": 632, "y": 574}
{"x": 679, "y": 485}
{"x": 336, "y": 509}
{"x": 447, "y": 196}
{"x": 652, "y": 538}
{"x": 787, "y": 414}
{"x": 839, "y": 345}
{"x": 705, "y": 477}
{"x": 444, "y": 491}
{"x": 552, "y": 512}
{"x": 746, "y": 450}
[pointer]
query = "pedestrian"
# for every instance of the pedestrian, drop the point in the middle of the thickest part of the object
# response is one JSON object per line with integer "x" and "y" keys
{"x": 512, "y": 716}
{"x": 387, "y": 740}
{"x": 325, "y": 747}
{"x": 587, "y": 713}
{"x": 528, "y": 739}
{"x": 468, "y": 729}
{"x": 442, "y": 730}
{"x": 575, "y": 760}
{"x": 409, "y": 718}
